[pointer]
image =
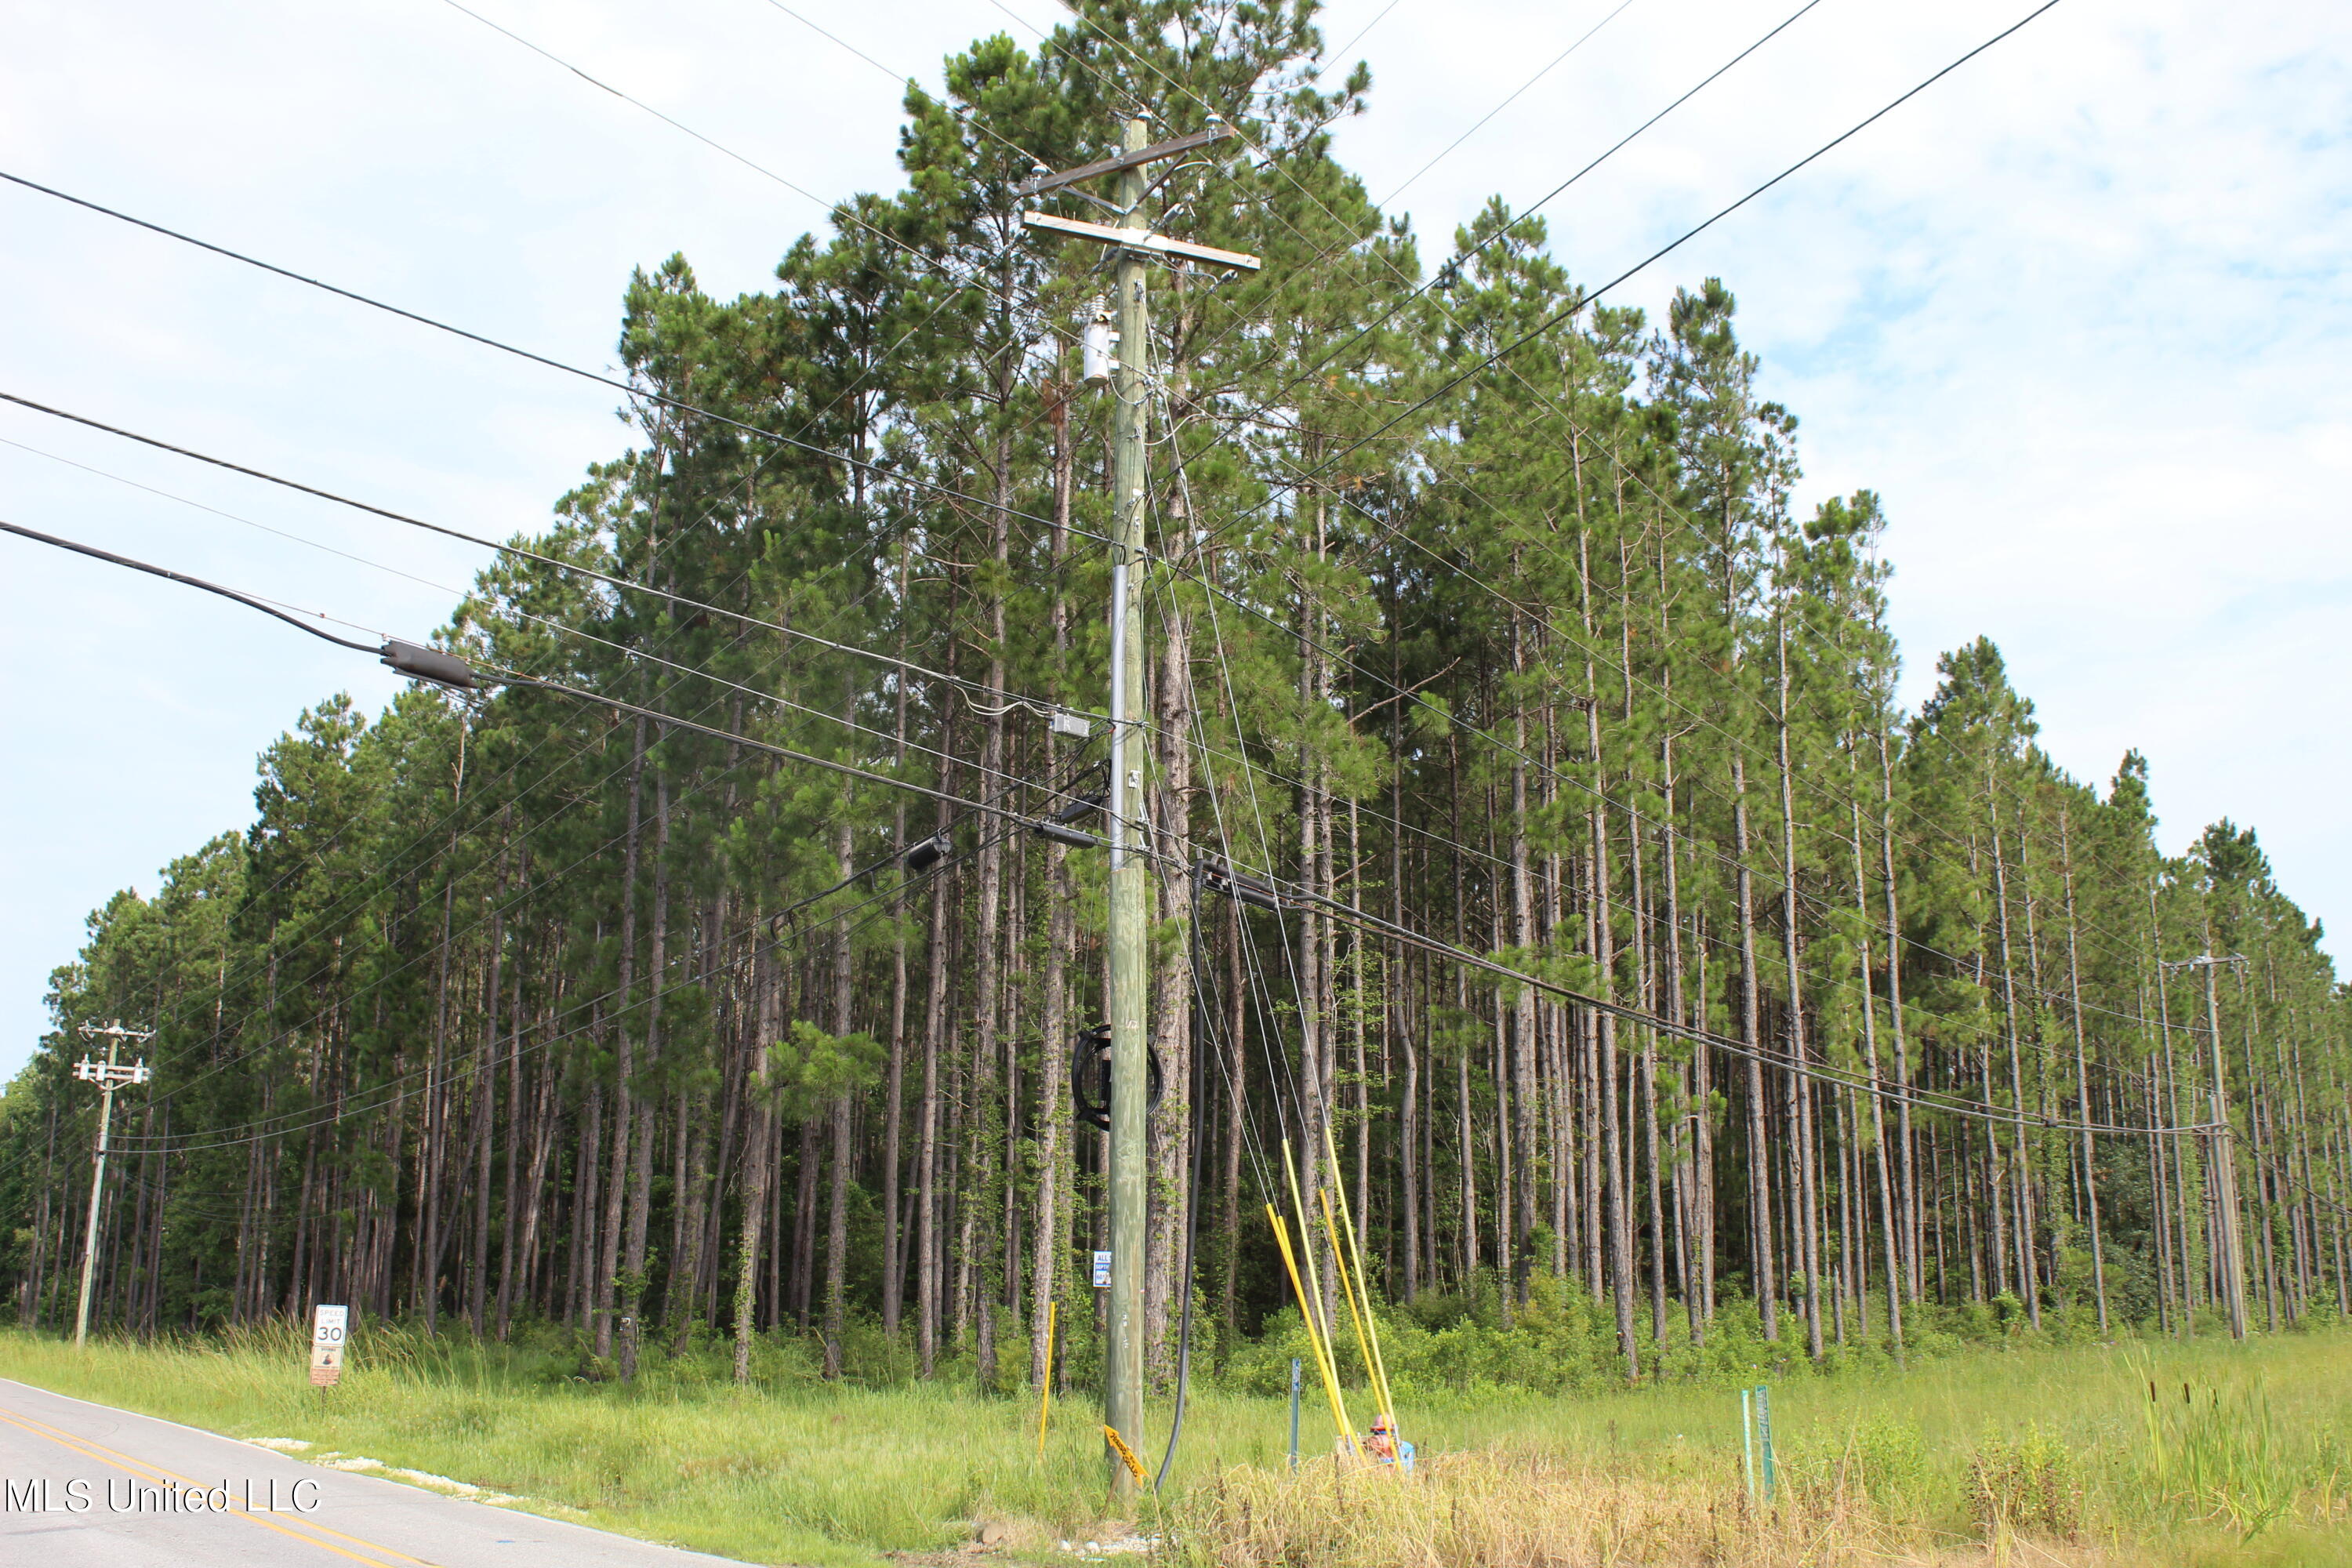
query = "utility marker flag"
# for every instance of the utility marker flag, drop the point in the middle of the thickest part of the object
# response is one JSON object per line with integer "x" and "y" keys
{"x": 327, "y": 1332}
{"x": 1119, "y": 1446}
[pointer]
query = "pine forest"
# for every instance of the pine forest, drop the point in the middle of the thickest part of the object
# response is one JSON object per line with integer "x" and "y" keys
{"x": 1539, "y": 861}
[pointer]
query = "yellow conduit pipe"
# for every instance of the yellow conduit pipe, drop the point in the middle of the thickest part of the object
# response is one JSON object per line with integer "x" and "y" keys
{"x": 1314, "y": 1342}
{"x": 1045, "y": 1385}
{"x": 1347, "y": 1284}
{"x": 1379, "y": 1366}
{"x": 1305, "y": 1251}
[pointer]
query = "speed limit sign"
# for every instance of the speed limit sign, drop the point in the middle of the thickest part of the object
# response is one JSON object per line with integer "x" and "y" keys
{"x": 328, "y": 1328}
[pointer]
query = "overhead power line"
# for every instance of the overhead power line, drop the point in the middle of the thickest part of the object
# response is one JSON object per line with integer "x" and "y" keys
{"x": 1511, "y": 97}
{"x": 947, "y": 490}
{"x": 1291, "y": 483}
{"x": 526, "y": 554}
{"x": 559, "y": 627}
{"x": 431, "y": 830}
{"x": 249, "y": 600}
{"x": 1265, "y": 894}
{"x": 670, "y": 121}
{"x": 440, "y": 668}
{"x": 390, "y": 1092}
{"x": 1561, "y": 317}
{"x": 842, "y": 212}
{"x": 1453, "y": 264}
{"x": 447, "y": 665}
{"x": 632, "y": 389}
{"x": 1363, "y": 32}
{"x": 1423, "y": 289}
{"x": 1307, "y": 477}
{"x": 445, "y": 668}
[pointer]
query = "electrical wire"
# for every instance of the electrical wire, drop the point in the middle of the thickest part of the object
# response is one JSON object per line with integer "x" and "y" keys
{"x": 1363, "y": 31}
{"x": 1357, "y": 506}
{"x": 1015, "y": 704}
{"x": 838, "y": 456}
{"x": 391, "y": 1093}
{"x": 676, "y": 404}
{"x": 1454, "y": 719}
{"x": 559, "y": 627}
{"x": 509, "y": 678}
{"x": 836, "y": 210}
{"x": 511, "y": 768}
{"x": 1279, "y": 1073}
{"x": 1509, "y": 99}
{"x": 1456, "y": 722}
{"x": 843, "y": 213}
{"x": 1451, "y": 269}
{"x": 1456, "y": 261}
{"x": 524, "y": 552}
{"x": 1927, "y": 1099}
{"x": 379, "y": 889}
{"x": 595, "y": 853}
{"x": 1784, "y": 175}
{"x": 1924, "y": 1100}
{"x": 639, "y": 711}
{"x": 249, "y": 600}
{"x": 363, "y": 893}
{"x": 1602, "y": 657}
{"x": 841, "y": 458}
{"x": 256, "y": 1130}
{"x": 1584, "y": 299}
{"x": 1572, "y": 179}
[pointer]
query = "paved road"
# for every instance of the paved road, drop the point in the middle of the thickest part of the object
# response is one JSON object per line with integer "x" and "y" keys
{"x": 86, "y": 1486}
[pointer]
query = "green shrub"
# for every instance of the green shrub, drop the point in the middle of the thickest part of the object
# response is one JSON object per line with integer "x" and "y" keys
{"x": 2027, "y": 1481}
{"x": 1884, "y": 1458}
{"x": 2225, "y": 1456}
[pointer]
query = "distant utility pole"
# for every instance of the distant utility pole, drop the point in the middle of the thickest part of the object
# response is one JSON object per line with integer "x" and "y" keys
{"x": 2224, "y": 1158}
{"x": 109, "y": 1074}
{"x": 1128, "y": 938}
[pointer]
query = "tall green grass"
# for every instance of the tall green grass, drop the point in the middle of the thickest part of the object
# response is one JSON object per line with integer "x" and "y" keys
{"x": 2092, "y": 1443}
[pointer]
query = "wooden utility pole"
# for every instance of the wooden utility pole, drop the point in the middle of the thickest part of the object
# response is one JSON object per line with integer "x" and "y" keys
{"x": 1128, "y": 933}
{"x": 2229, "y": 1247}
{"x": 109, "y": 1074}
{"x": 1124, "y": 995}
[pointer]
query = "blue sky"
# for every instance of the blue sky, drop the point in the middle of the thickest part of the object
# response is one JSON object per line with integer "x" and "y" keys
{"x": 2074, "y": 312}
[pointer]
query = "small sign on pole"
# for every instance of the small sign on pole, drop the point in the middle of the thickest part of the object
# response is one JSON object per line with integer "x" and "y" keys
{"x": 328, "y": 1328}
{"x": 1102, "y": 1270}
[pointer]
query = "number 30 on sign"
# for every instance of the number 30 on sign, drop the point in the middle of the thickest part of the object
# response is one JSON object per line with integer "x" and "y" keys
{"x": 327, "y": 1331}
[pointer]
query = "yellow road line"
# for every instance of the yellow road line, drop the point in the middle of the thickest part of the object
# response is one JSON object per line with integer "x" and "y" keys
{"x": 147, "y": 1470}
{"x": 59, "y": 1434}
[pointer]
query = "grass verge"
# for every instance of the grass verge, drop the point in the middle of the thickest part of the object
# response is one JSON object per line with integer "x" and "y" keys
{"x": 2199, "y": 1456}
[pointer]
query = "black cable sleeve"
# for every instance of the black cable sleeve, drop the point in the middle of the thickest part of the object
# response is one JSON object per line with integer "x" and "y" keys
{"x": 169, "y": 575}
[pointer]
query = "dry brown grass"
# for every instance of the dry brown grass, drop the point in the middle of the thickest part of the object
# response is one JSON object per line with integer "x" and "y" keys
{"x": 1498, "y": 1510}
